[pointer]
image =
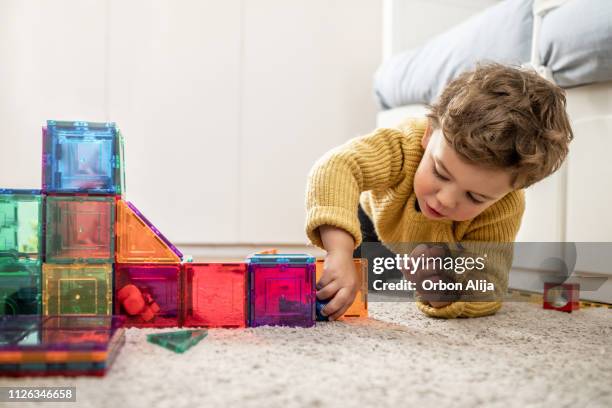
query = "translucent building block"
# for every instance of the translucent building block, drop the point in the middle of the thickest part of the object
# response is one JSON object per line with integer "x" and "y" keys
{"x": 77, "y": 289}
{"x": 21, "y": 226}
{"x": 138, "y": 241}
{"x": 20, "y": 288}
{"x": 281, "y": 290}
{"x": 75, "y": 345}
{"x": 148, "y": 294}
{"x": 214, "y": 295}
{"x": 80, "y": 229}
{"x": 359, "y": 308}
{"x": 82, "y": 157}
{"x": 178, "y": 341}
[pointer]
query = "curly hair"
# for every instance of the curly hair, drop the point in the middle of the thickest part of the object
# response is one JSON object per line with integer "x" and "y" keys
{"x": 505, "y": 118}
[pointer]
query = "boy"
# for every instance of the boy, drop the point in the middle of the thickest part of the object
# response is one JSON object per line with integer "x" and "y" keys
{"x": 455, "y": 176}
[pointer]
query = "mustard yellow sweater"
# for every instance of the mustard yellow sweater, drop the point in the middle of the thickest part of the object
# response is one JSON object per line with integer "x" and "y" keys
{"x": 378, "y": 171}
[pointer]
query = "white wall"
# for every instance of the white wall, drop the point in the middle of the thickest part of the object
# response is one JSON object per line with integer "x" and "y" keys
{"x": 225, "y": 105}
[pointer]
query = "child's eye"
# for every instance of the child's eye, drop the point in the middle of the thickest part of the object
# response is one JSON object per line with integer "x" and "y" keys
{"x": 438, "y": 175}
{"x": 471, "y": 197}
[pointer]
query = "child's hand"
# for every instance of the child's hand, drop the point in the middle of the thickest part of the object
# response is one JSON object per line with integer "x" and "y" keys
{"x": 435, "y": 298}
{"x": 339, "y": 281}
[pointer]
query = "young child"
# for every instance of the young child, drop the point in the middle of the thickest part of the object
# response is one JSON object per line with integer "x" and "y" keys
{"x": 456, "y": 175}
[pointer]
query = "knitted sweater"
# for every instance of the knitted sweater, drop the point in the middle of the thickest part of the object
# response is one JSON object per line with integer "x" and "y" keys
{"x": 378, "y": 170}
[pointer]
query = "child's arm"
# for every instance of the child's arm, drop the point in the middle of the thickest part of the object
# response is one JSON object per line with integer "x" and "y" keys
{"x": 492, "y": 233}
{"x": 375, "y": 161}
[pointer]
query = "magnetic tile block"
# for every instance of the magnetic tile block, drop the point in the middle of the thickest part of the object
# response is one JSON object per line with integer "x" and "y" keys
{"x": 564, "y": 297}
{"x": 281, "y": 290}
{"x": 20, "y": 288}
{"x": 80, "y": 229}
{"x": 21, "y": 226}
{"x": 138, "y": 241}
{"x": 82, "y": 157}
{"x": 77, "y": 289}
{"x": 75, "y": 345}
{"x": 359, "y": 308}
{"x": 178, "y": 341}
{"x": 215, "y": 295}
{"x": 319, "y": 305}
{"x": 148, "y": 294}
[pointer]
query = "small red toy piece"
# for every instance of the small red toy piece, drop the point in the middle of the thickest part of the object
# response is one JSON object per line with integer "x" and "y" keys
{"x": 134, "y": 302}
{"x": 563, "y": 297}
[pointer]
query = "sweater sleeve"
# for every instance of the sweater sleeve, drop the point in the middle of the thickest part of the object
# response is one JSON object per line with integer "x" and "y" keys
{"x": 492, "y": 234}
{"x": 375, "y": 161}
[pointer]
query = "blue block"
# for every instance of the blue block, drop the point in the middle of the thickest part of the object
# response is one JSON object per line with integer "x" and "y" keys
{"x": 319, "y": 306}
{"x": 82, "y": 157}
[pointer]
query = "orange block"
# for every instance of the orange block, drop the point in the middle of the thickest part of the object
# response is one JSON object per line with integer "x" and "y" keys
{"x": 137, "y": 242}
{"x": 359, "y": 308}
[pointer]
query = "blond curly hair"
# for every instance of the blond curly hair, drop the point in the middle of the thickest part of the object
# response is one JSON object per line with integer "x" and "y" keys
{"x": 505, "y": 118}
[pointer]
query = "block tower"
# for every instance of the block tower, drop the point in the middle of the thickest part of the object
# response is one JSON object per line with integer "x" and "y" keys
{"x": 78, "y": 248}
{"x": 64, "y": 247}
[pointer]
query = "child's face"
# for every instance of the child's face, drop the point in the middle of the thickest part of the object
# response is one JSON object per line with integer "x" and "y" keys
{"x": 449, "y": 188}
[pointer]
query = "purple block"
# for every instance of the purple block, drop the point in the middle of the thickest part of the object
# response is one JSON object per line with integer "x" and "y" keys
{"x": 282, "y": 293}
{"x": 148, "y": 294}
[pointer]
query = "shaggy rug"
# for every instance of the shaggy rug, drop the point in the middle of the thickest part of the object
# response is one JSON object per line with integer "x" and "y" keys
{"x": 523, "y": 356}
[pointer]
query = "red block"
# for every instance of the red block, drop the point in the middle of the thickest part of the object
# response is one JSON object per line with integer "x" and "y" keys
{"x": 563, "y": 297}
{"x": 148, "y": 294}
{"x": 215, "y": 294}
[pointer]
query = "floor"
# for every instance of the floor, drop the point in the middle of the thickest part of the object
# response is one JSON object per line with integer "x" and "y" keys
{"x": 523, "y": 356}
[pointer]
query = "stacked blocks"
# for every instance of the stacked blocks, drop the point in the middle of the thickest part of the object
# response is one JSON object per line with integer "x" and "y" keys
{"x": 21, "y": 243}
{"x": 148, "y": 272}
{"x": 359, "y": 308}
{"x": 83, "y": 179}
{"x": 78, "y": 248}
{"x": 282, "y": 290}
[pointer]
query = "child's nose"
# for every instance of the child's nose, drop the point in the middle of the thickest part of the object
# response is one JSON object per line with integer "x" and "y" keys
{"x": 446, "y": 198}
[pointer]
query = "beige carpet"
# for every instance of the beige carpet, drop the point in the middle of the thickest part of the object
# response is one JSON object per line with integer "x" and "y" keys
{"x": 523, "y": 356}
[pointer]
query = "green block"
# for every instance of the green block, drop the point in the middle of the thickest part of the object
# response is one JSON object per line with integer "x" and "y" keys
{"x": 178, "y": 341}
{"x": 20, "y": 288}
{"x": 20, "y": 225}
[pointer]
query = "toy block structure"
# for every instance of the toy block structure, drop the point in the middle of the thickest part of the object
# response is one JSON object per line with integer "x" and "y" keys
{"x": 215, "y": 295}
{"x": 70, "y": 346}
{"x": 82, "y": 157}
{"x": 77, "y": 252}
{"x": 149, "y": 294}
{"x": 21, "y": 243}
{"x": 359, "y": 308}
{"x": 281, "y": 290}
{"x": 77, "y": 289}
{"x": 564, "y": 297}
